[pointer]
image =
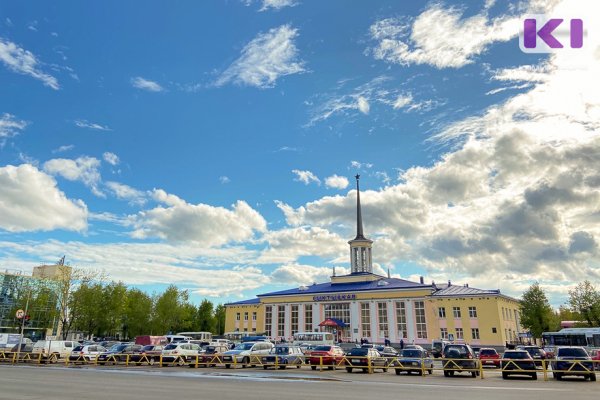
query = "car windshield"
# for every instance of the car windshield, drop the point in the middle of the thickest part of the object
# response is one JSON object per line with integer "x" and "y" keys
{"x": 517, "y": 355}
{"x": 411, "y": 353}
{"x": 170, "y": 346}
{"x": 461, "y": 350}
{"x": 322, "y": 348}
{"x": 488, "y": 352}
{"x": 533, "y": 351}
{"x": 359, "y": 352}
{"x": 244, "y": 346}
{"x": 572, "y": 352}
{"x": 148, "y": 348}
{"x": 78, "y": 348}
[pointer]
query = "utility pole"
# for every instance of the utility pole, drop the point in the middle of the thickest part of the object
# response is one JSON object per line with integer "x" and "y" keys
{"x": 23, "y": 326}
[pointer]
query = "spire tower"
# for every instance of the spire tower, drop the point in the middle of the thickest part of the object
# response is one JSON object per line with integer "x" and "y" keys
{"x": 360, "y": 246}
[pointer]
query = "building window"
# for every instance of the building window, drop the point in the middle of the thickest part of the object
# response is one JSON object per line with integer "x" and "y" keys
{"x": 254, "y": 316}
{"x": 237, "y": 316}
{"x": 472, "y": 312}
{"x": 510, "y": 335}
{"x": 401, "y": 318}
{"x": 339, "y": 311}
{"x": 294, "y": 319}
{"x": 420, "y": 320}
{"x": 475, "y": 333}
{"x": 281, "y": 321}
{"x": 268, "y": 319}
{"x": 308, "y": 324}
{"x": 383, "y": 319}
{"x": 459, "y": 333}
{"x": 365, "y": 320}
{"x": 494, "y": 330}
{"x": 442, "y": 312}
{"x": 456, "y": 312}
{"x": 444, "y": 333}
{"x": 245, "y": 316}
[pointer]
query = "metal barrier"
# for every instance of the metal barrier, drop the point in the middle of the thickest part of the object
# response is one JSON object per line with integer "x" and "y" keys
{"x": 450, "y": 366}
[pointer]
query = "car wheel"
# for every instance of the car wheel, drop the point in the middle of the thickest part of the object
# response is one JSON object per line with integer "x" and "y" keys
{"x": 348, "y": 369}
{"x": 534, "y": 376}
{"x": 557, "y": 376}
{"x": 227, "y": 365}
{"x": 246, "y": 361}
{"x": 365, "y": 370}
{"x": 593, "y": 377}
{"x": 451, "y": 373}
{"x": 313, "y": 367}
{"x": 504, "y": 375}
{"x": 282, "y": 367}
{"x": 419, "y": 373}
{"x": 384, "y": 369}
{"x": 397, "y": 371}
{"x": 473, "y": 374}
{"x": 430, "y": 371}
{"x": 264, "y": 367}
{"x": 446, "y": 373}
{"x": 151, "y": 361}
{"x": 298, "y": 366}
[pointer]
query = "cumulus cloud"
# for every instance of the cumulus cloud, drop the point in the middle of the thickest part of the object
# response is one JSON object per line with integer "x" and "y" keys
{"x": 306, "y": 177}
{"x": 24, "y": 62}
{"x": 111, "y": 158}
{"x": 63, "y": 148}
{"x": 442, "y": 37}
{"x": 125, "y": 192}
{"x": 9, "y": 127}
{"x": 303, "y": 274}
{"x": 180, "y": 221}
{"x": 82, "y": 123}
{"x": 224, "y": 179}
{"x": 145, "y": 84}
{"x": 82, "y": 169}
{"x": 265, "y": 59}
{"x": 336, "y": 182}
{"x": 31, "y": 201}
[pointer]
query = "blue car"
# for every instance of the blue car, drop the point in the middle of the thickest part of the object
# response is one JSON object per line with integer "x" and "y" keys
{"x": 414, "y": 360}
{"x": 282, "y": 356}
{"x": 573, "y": 361}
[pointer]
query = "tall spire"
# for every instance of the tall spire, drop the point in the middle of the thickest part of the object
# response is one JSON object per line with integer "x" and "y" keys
{"x": 359, "y": 226}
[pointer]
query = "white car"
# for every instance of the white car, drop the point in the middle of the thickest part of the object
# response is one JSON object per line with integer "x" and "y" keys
{"x": 86, "y": 353}
{"x": 179, "y": 352}
{"x": 243, "y": 352}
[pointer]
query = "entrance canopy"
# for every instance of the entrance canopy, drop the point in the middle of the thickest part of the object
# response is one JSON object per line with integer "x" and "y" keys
{"x": 334, "y": 322}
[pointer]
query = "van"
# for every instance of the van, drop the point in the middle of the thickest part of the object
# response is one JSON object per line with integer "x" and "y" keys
{"x": 146, "y": 340}
{"x": 437, "y": 347}
{"x": 59, "y": 348}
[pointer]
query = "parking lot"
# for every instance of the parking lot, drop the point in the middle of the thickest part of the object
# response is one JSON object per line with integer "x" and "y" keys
{"x": 150, "y": 382}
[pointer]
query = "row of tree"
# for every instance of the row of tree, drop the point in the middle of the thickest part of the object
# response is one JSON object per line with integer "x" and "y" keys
{"x": 538, "y": 316}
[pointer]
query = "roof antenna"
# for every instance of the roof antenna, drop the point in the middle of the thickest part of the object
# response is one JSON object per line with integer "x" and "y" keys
{"x": 334, "y": 271}
{"x": 389, "y": 273}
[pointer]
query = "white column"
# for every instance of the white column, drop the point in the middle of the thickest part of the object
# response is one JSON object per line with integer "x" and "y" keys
{"x": 288, "y": 321}
{"x": 374, "y": 327}
{"x": 316, "y": 316}
{"x": 411, "y": 334}
{"x": 392, "y": 327}
{"x": 301, "y": 319}
{"x": 354, "y": 320}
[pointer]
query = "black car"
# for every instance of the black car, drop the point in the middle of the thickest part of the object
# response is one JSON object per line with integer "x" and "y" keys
{"x": 460, "y": 358}
{"x": 362, "y": 357}
{"x": 517, "y": 362}
{"x": 387, "y": 351}
{"x": 119, "y": 353}
{"x": 537, "y": 353}
{"x": 574, "y": 361}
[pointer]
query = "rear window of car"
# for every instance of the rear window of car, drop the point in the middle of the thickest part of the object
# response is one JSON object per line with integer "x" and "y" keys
{"x": 359, "y": 352}
{"x": 322, "y": 348}
{"x": 571, "y": 352}
{"x": 517, "y": 355}
{"x": 488, "y": 352}
{"x": 462, "y": 350}
{"x": 148, "y": 348}
{"x": 411, "y": 353}
{"x": 171, "y": 347}
{"x": 533, "y": 351}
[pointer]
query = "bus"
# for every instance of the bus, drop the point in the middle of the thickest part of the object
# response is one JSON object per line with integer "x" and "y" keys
{"x": 204, "y": 337}
{"x": 237, "y": 336}
{"x": 317, "y": 338}
{"x": 586, "y": 337}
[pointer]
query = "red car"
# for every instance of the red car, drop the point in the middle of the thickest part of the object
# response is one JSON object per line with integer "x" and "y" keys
{"x": 489, "y": 356}
{"x": 325, "y": 355}
{"x": 595, "y": 354}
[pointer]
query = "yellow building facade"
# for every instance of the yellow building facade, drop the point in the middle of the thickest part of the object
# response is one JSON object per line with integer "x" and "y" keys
{"x": 364, "y": 305}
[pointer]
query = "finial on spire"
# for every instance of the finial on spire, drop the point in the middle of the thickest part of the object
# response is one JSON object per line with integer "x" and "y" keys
{"x": 389, "y": 273}
{"x": 359, "y": 226}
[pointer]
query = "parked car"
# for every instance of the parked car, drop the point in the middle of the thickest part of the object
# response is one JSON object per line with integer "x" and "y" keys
{"x": 180, "y": 352}
{"x": 476, "y": 350}
{"x": 118, "y": 353}
{"x": 517, "y": 362}
{"x": 574, "y": 361}
{"x": 149, "y": 354}
{"x": 413, "y": 360}
{"x": 325, "y": 355}
{"x": 283, "y": 355}
{"x": 595, "y": 355}
{"x": 54, "y": 349}
{"x": 437, "y": 347}
{"x": 364, "y": 357}
{"x": 459, "y": 358}
{"x": 307, "y": 349}
{"x": 387, "y": 351}
{"x": 489, "y": 356}
{"x": 537, "y": 353}
{"x": 208, "y": 356}
{"x": 86, "y": 353}
{"x": 243, "y": 353}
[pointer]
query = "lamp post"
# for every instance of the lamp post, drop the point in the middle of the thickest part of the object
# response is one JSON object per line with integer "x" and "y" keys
{"x": 23, "y": 326}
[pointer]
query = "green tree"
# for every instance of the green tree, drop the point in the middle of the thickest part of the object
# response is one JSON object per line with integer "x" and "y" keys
{"x": 137, "y": 313}
{"x": 170, "y": 311}
{"x": 536, "y": 313}
{"x": 86, "y": 314}
{"x": 220, "y": 319}
{"x": 206, "y": 318}
{"x": 585, "y": 300}
{"x": 113, "y": 306}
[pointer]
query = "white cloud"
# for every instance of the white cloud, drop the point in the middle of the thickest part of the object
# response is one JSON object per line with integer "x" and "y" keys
{"x": 82, "y": 123}
{"x": 224, "y": 179}
{"x": 265, "y": 59}
{"x": 83, "y": 169}
{"x": 360, "y": 165}
{"x": 63, "y": 148}
{"x": 31, "y": 201}
{"x": 277, "y": 4}
{"x": 363, "y": 105}
{"x": 402, "y": 101}
{"x": 10, "y": 126}
{"x": 202, "y": 223}
{"x": 24, "y": 62}
{"x": 145, "y": 84}
{"x": 298, "y": 274}
{"x": 306, "y": 177}
{"x": 124, "y": 192}
{"x": 441, "y": 37}
{"x": 336, "y": 182}
{"x": 111, "y": 158}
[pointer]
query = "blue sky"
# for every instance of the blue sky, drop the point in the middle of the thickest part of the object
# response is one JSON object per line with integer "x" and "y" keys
{"x": 213, "y": 144}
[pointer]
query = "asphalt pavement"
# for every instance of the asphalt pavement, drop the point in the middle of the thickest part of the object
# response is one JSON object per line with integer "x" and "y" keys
{"x": 79, "y": 383}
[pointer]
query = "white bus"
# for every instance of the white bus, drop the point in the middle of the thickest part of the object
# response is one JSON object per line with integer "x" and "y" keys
{"x": 237, "y": 336}
{"x": 318, "y": 338}
{"x": 204, "y": 337}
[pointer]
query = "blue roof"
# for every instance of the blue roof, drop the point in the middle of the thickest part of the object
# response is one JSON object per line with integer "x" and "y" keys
{"x": 251, "y": 301}
{"x": 458, "y": 290}
{"x": 390, "y": 283}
